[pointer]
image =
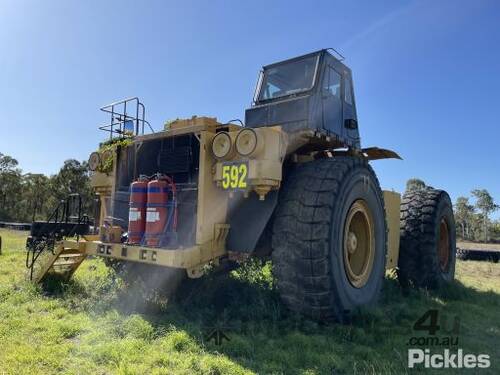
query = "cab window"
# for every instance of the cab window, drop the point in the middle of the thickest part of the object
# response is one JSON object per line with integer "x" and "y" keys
{"x": 288, "y": 78}
{"x": 332, "y": 83}
{"x": 348, "y": 91}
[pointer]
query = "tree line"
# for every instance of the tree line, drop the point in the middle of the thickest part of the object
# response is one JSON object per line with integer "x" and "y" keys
{"x": 472, "y": 214}
{"x": 28, "y": 196}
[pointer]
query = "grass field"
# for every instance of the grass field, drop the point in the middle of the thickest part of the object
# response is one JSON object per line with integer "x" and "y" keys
{"x": 91, "y": 325}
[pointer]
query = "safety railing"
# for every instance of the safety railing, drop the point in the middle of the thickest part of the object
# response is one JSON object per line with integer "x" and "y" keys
{"x": 127, "y": 118}
{"x": 65, "y": 221}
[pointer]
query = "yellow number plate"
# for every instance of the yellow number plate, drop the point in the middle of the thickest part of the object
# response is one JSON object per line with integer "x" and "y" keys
{"x": 234, "y": 176}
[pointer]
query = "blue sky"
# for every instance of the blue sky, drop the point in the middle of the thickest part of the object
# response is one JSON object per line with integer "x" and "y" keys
{"x": 426, "y": 74}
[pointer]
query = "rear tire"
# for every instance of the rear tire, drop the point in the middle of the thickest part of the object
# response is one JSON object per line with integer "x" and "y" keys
{"x": 428, "y": 239}
{"x": 329, "y": 238}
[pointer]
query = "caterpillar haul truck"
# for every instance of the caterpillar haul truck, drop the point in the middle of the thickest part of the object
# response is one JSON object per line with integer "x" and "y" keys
{"x": 293, "y": 184}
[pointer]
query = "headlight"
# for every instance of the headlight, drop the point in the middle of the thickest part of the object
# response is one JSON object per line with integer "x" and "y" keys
{"x": 248, "y": 142}
{"x": 221, "y": 145}
{"x": 106, "y": 156}
{"x": 94, "y": 161}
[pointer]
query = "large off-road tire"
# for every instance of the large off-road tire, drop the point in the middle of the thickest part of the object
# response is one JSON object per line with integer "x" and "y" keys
{"x": 329, "y": 238}
{"x": 427, "y": 252}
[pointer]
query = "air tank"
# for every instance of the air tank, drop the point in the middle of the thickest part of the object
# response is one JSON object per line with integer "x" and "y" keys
{"x": 137, "y": 212}
{"x": 156, "y": 211}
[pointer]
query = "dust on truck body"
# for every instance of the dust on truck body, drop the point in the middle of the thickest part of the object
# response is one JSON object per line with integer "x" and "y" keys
{"x": 293, "y": 183}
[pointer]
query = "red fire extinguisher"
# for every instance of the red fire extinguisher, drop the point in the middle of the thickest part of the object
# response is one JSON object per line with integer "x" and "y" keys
{"x": 137, "y": 212}
{"x": 156, "y": 211}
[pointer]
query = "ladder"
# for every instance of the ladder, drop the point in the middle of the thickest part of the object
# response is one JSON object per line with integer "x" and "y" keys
{"x": 47, "y": 253}
{"x": 61, "y": 263}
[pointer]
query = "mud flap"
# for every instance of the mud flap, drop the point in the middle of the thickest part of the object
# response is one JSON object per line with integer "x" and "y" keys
{"x": 248, "y": 218}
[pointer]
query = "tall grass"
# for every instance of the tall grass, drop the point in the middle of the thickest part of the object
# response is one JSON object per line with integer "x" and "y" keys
{"x": 84, "y": 326}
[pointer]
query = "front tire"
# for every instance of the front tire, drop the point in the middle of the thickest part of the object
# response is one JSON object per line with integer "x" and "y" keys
{"x": 329, "y": 238}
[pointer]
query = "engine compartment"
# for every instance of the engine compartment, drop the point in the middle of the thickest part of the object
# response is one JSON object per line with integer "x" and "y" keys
{"x": 176, "y": 157}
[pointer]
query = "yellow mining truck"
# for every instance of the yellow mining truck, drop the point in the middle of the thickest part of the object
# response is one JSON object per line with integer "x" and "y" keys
{"x": 291, "y": 183}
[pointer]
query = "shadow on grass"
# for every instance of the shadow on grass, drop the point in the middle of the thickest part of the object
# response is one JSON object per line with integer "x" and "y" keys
{"x": 264, "y": 336}
{"x": 97, "y": 290}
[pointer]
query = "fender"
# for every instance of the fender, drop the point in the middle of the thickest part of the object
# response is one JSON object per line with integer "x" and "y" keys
{"x": 248, "y": 219}
{"x": 376, "y": 153}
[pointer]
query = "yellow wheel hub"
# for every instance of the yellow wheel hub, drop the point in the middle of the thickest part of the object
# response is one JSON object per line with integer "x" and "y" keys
{"x": 359, "y": 244}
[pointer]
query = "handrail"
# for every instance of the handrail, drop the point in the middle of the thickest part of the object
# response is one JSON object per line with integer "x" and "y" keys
{"x": 103, "y": 108}
{"x": 38, "y": 246}
{"x": 119, "y": 117}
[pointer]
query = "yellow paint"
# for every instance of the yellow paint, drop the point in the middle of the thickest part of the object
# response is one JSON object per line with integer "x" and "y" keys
{"x": 392, "y": 206}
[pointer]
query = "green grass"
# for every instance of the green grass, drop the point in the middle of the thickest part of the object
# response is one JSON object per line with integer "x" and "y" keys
{"x": 92, "y": 326}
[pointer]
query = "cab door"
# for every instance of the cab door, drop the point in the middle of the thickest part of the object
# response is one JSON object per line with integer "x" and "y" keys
{"x": 349, "y": 110}
{"x": 331, "y": 95}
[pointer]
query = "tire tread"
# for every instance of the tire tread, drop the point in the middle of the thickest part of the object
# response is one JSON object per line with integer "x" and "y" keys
{"x": 301, "y": 234}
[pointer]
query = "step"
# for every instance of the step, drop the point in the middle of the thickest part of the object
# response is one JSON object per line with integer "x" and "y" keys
{"x": 60, "y": 270}
{"x": 64, "y": 263}
{"x": 73, "y": 255}
{"x": 69, "y": 250}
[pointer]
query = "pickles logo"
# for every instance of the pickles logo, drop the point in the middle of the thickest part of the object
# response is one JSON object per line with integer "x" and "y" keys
{"x": 441, "y": 332}
{"x": 448, "y": 359}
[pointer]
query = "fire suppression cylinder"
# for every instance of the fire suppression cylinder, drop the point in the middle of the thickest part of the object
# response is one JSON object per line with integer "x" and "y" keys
{"x": 156, "y": 211}
{"x": 137, "y": 212}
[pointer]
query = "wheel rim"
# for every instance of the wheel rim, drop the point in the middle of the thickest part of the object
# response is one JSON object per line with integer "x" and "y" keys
{"x": 359, "y": 244}
{"x": 444, "y": 245}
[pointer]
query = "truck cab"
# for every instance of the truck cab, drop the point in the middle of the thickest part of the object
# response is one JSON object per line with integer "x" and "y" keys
{"x": 312, "y": 91}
